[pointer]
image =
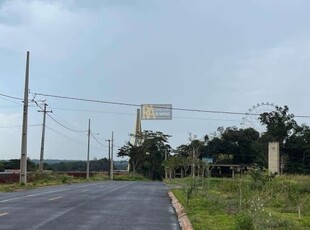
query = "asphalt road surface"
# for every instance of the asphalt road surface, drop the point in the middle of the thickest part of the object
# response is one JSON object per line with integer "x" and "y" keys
{"x": 102, "y": 205}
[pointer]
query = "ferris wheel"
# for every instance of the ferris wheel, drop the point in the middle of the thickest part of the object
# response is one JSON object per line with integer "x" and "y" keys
{"x": 251, "y": 119}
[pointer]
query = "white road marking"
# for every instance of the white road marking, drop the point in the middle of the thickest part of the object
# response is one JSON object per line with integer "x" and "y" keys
{"x": 31, "y": 195}
{"x": 85, "y": 190}
{"x": 42, "y": 193}
{"x": 3, "y": 213}
{"x": 56, "y": 198}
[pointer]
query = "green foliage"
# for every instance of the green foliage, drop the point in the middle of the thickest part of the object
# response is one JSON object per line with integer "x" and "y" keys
{"x": 191, "y": 187}
{"x": 130, "y": 177}
{"x": 1, "y": 166}
{"x": 244, "y": 221}
{"x": 15, "y": 164}
{"x": 65, "y": 178}
{"x": 147, "y": 158}
{"x": 217, "y": 205}
{"x": 259, "y": 177}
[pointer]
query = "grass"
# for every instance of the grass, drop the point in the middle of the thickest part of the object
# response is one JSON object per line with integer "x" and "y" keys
{"x": 52, "y": 179}
{"x": 130, "y": 177}
{"x": 218, "y": 203}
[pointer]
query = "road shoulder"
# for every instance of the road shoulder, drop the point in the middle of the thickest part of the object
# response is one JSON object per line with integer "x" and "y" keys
{"x": 180, "y": 211}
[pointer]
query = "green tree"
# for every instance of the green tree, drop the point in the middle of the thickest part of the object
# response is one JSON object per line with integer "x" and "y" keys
{"x": 294, "y": 140}
{"x": 280, "y": 124}
{"x": 148, "y": 157}
{"x": 136, "y": 155}
{"x": 297, "y": 151}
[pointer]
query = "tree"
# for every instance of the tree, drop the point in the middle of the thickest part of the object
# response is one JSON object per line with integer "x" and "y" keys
{"x": 149, "y": 156}
{"x": 196, "y": 146}
{"x": 135, "y": 153}
{"x": 294, "y": 140}
{"x": 234, "y": 141}
{"x": 172, "y": 163}
{"x": 183, "y": 152}
{"x": 297, "y": 150}
{"x": 280, "y": 124}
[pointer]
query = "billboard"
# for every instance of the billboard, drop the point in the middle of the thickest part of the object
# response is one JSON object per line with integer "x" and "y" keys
{"x": 156, "y": 112}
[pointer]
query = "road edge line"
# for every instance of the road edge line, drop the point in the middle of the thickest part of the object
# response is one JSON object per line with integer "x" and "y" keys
{"x": 181, "y": 214}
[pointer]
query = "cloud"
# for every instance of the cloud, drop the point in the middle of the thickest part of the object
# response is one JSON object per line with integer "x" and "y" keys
{"x": 41, "y": 26}
{"x": 9, "y": 120}
{"x": 277, "y": 74}
{"x": 9, "y": 135}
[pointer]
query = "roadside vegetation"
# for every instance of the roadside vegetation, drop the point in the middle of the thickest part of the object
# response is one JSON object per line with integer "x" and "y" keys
{"x": 52, "y": 179}
{"x": 256, "y": 201}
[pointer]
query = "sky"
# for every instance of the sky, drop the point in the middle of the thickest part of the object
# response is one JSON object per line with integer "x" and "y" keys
{"x": 200, "y": 54}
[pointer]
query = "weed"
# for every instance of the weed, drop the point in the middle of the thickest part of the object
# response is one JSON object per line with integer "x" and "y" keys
{"x": 191, "y": 187}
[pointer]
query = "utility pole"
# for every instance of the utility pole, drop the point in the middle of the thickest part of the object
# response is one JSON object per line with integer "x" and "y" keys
{"x": 23, "y": 158}
{"x": 193, "y": 163}
{"x": 111, "y": 163}
{"x": 88, "y": 146}
{"x": 43, "y": 138}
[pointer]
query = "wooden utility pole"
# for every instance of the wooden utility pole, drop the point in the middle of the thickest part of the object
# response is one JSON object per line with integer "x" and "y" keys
{"x": 43, "y": 138}
{"x": 88, "y": 146}
{"x": 23, "y": 158}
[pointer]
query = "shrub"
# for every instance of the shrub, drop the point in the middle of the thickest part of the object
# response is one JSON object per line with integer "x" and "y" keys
{"x": 65, "y": 178}
{"x": 259, "y": 177}
{"x": 244, "y": 221}
{"x": 191, "y": 187}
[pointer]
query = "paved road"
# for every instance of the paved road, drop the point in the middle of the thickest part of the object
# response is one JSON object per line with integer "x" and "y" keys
{"x": 102, "y": 205}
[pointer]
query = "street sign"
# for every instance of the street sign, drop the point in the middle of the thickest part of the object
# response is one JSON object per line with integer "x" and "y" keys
{"x": 156, "y": 112}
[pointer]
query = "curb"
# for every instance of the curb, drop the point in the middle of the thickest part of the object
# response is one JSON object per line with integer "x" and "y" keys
{"x": 182, "y": 217}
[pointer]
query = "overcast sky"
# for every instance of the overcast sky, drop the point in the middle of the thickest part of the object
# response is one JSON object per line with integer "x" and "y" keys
{"x": 200, "y": 54}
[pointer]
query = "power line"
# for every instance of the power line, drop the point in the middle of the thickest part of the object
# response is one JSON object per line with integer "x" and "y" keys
{"x": 87, "y": 100}
{"x": 98, "y": 141}
{"x": 8, "y": 96}
{"x": 73, "y": 130}
{"x": 14, "y": 102}
{"x": 63, "y": 135}
{"x": 17, "y": 126}
{"x": 138, "y": 105}
{"x": 132, "y": 114}
{"x": 64, "y": 126}
{"x": 92, "y": 111}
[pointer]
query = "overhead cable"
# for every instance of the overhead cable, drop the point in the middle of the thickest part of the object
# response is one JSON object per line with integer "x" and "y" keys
{"x": 138, "y": 105}
{"x": 98, "y": 141}
{"x": 73, "y": 130}
{"x": 8, "y": 96}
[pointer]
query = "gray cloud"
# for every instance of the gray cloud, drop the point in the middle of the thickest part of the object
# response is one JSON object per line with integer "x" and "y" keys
{"x": 214, "y": 55}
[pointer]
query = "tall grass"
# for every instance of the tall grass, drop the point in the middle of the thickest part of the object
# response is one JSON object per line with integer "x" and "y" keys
{"x": 281, "y": 202}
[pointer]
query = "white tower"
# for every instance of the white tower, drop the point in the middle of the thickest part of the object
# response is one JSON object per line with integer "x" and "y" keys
{"x": 136, "y": 136}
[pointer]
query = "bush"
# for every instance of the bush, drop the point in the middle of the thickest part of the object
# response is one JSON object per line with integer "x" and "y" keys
{"x": 65, "y": 178}
{"x": 191, "y": 187}
{"x": 244, "y": 221}
{"x": 259, "y": 178}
